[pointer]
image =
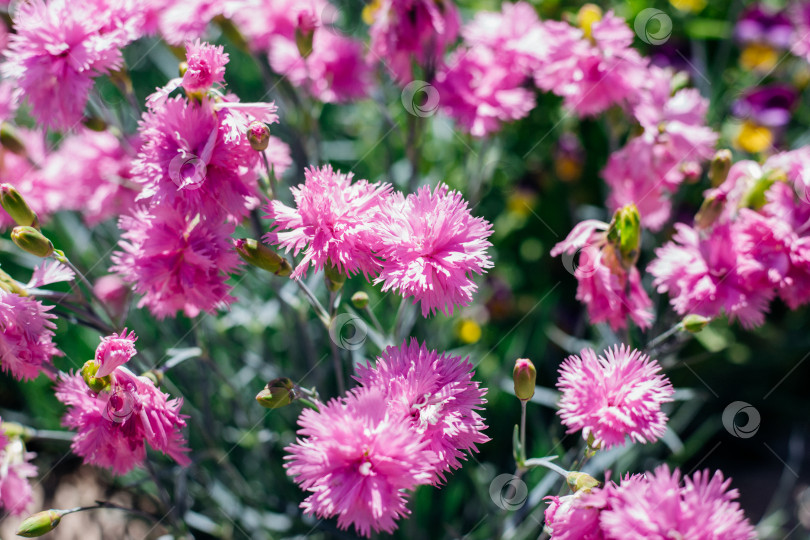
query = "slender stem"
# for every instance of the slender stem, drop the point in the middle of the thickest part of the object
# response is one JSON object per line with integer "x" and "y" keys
{"x": 523, "y": 430}
{"x": 341, "y": 383}
{"x": 398, "y": 319}
{"x": 375, "y": 321}
{"x": 316, "y": 304}
{"x": 270, "y": 176}
{"x": 546, "y": 462}
{"x": 652, "y": 344}
{"x": 89, "y": 292}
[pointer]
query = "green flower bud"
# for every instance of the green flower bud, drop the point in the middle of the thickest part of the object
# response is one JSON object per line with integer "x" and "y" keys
{"x": 96, "y": 384}
{"x": 9, "y": 284}
{"x": 94, "y": 123}
{"x": 278, "y": 393}
{"x": 334, "y": 279}
{"x": 16, "y": 207}
{"x": 154, "y": 375}
{"x": 39, "y": 524}
{"x": 257, "y": 254}
{"x": 624, "y": 234}
{"x": 303, "y": 40}
{"x": 581, "y": 481}
{"x": 710, "y": 210}
{"x": 695, "y": 323}
{"x": 285, "y": 269}
{"x": 360, "y": 300}
{"x": 31, "y": 240}
{"x": 10, "y": 139}
{"x": 755, "y": 196}
{"x": 721, "y": 164}
{"x": 524, "y": 376}
{"x": 258, "y": 135}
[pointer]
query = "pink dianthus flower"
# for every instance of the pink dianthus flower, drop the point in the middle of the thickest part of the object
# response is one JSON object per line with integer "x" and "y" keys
{"x": 206, "y": 66}
{"x": 15, "y": 470}
{"x": 436, "y": 394}
{"x": 613, "y": 396}
{"x": 357, "y": 458}
{"x": 26, "y": 341}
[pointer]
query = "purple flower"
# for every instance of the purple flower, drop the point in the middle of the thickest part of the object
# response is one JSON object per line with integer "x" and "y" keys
{"x": 769, "y": 106}
{"x": 759, "y": 24}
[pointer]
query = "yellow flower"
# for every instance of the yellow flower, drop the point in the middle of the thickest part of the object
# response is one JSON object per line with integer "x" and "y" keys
{"x": 469, "y": 331}
{"x": 759, "y": 57}
{"x": 754, "y": 138}
{"x": 691, "y": 6}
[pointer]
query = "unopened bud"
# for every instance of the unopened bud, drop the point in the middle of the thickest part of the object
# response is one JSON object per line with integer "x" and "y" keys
{"x": 524, "y": 376}
{"x": 39, "y": 524}
{"x": 721, "y": 164}
{"x": 31, "y": 240}
{"x": 182, "y": 67}
{"x": 10, "y": 139}
{"x": 94, "y": 123}
{"x": 278, "y": 393}
{"x": 154, "y": 375}
{"x": 587, "y": 15}
{"x": 360, "y": 300}
{"x": 285, "y": 269}
{"x": 691, "y": 171}
{"x": 334, "y": 279}
{"x": 580, "y": 481}
{"x": 695, "y": 323}
{"x": 96, "y": 384}
{"x": 16, "y": 207}
{"x": 711, "y": 209}
{"x": 9, "y": 284}
{"x": 624, "y": 234}
{"x": 257, "y": 254}
{"x": 305, "y": 32}
{"x": 755, "y": 196}
{"x": 258, "y": 135}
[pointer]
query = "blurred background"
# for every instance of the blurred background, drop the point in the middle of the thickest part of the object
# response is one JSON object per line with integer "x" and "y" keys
{"x": 533, "y": 181}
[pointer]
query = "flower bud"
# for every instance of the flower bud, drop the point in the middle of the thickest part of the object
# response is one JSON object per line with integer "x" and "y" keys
{"x": 16, "y": 207}
{"x": 587, "y": 15}
{"x": 9, "y": 284}
{"x": 96, "y": 384}
{"x": 182, "y": 67}
{"x": 257, "y": 254}
{"x": 721, "y": 164}
{"x": 278, "y": 393}
{"x": 524, "y": 376}
{"x": 10, "y": 139}
{"x": 31, "y": 240}
{"x": 94, "y": 123}
{"x": 305, "y": 32}
{"x": 334, "y": 279}
{"x": 360, "y": 300}
{"x": 580, "y": 481}
{"x": 154, "y": 375}
{"x": 258, "y": 135}
{"x": 711, "y": 209}
{"x": 39, "y": 524}
{"x": 624, "y": 234}
{"x": 695, "y": 323}
{"x": 691, "y": 171}
{"x": 755, "y": 196}
{"x": 285, "y": 269}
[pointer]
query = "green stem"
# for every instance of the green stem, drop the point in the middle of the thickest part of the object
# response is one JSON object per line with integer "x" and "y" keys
{"x": 523, "y": 431}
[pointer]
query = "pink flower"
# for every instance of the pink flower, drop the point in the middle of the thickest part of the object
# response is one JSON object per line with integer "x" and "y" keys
{"x": 437, "y": 395}
{"x": 197, "y": 158}
{"x": 431, "y": 247}
{"x": 592, "y": 74}
{"x": 90, "y": 173}
{"x": 115, "y": 350}
{"x": 206, "y": 66}
{"x": 26, "y": 343}
{"x": 800, "y": 12}
{"x": 333, "y": 72}
{"x": 576, "y": 517}
{"x": 701, "y": 273}
{"x": 515, "y": 34}
{"x": 261, "y": 22}
{"x": 335, "y": 222}
{"x": 357, "y": 458}
{"x": 406, "y": 31}
{"x": 480, "y": 89}
{"x": 609, "y": 292}
{"x": 15, "y": 470}
{"x": 115, "y": 425}
{"x": 177, "y": 263}
{"x": 612, "y": 396}
{"x": 57, "y": 50}
{"x": 184, "y": 21}
{"x": 653, "y": 165}
{"x": 656, "y": 507}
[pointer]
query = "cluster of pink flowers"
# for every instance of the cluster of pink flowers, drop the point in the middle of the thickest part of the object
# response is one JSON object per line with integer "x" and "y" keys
{"x": 15, "y": 470}
{"x": 653, "y": 506}
{"x": 613, "y": 396}
{"x": 610, "y": 292}
{"x": 674, "y": 141}
{"x": 750, "y": 244}
{"x": 59, "y": 47}
{"x": 115, "y": 423}
{"x": 410, "y": 422}
{"x": 197, "y": 171}
{"x": 426, "y": 246}
{"x": 304, "y": 46}
{"x": 26, "y": 342}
